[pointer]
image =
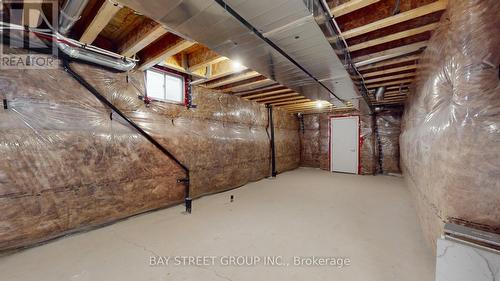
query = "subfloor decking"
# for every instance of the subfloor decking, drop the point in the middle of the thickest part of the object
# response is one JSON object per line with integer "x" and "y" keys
{"x": 303, "y": 213}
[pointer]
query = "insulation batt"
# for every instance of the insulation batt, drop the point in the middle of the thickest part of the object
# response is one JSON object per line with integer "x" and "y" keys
{"x": 67, "y": 166}
{"x": 389, "y": 129}
{"x": 450, "y": 147}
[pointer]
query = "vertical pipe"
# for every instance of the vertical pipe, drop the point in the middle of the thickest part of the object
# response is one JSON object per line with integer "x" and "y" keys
{"x": 273, "y": 150}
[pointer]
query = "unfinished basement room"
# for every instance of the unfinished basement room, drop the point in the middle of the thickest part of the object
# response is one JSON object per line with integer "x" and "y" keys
{"x": 250, "y": 140}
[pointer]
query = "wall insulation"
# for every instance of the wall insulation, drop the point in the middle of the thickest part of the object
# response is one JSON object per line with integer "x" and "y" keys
{"x": 69, "y": 163}
{"x": 450, "y": 145}
{"x": 387, "y": 141}
{"x": 315, "y": 142}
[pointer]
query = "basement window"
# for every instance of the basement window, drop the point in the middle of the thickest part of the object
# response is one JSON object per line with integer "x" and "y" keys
{"x": 162, "y": 86}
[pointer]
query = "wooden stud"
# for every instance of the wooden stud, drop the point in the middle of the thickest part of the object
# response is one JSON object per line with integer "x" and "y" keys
{"x": 106, "y": 12}
{"x": 351, "y": 6}
{"x": 392, "y": 37}
{"x": 405, "y": 16}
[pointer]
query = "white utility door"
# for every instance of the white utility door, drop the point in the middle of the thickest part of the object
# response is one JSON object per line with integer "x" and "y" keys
{"x": 344, "y": 139}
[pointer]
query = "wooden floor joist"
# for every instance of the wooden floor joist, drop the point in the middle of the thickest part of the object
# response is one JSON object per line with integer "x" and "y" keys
{"x": 390, "y": 70}
{"x": 267, "y": 93}
{"x": 274, "y": 102}
{"x": 276, "y": 97}
{"x": 101, "y": 19}
{"x": 388, "y": 54}
{"x": 392, "y": 37}
{"x": 402, "y": 17}
{"x": 167, "y": 46}
{"x": 292, "y": 102}
{"x": 233, "y": 79}
{"x": 389, "y": 62}
{"x": 350, "y": 7}
{"x": 141, "y": 37}
{"x": 391, "y": 83}
{"x": 250, "y": 85}
{"x": 385, "y": 78}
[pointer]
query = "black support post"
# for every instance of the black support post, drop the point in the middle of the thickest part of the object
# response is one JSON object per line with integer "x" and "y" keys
{"x": 273, "y": 150}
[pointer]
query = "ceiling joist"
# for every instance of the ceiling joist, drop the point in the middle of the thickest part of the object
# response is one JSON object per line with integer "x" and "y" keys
{"x": 104, "y": 15}
{"x": 351, "y": 6}
{"x": 388, "y": 54}
{"x": 392, "y": 37}
{"x": 372, "y": 66}
{"x": 402, "y": 17}
{"x": 141, "y": 37}
{"x": 390, "y": 70}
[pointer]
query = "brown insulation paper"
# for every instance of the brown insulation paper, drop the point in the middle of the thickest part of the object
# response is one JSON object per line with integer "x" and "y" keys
{"x": 389, "y": 129}
{"x": 69, "y": 164}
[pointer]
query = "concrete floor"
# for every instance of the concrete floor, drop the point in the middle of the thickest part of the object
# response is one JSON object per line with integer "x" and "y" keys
{"x": 306, "y": 212}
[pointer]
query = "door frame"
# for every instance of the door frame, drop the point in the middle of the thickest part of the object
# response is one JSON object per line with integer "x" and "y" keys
{"x": 359, "y": 140}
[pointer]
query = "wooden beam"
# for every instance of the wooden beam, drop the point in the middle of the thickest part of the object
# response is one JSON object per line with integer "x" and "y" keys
{"x": 273, "y": 102}
{"x": 260, "y": 90}
{"x": 390, "y": 70}
{"x": 254, "y": 84}
{"x": 310, "y": 103}
{"x": 398, "y": 82}
{"x": 402, "y": 17}
{"x": 106, "y": 12}
{"x": 385, "y": 78}
{"x": 388, "y": 54}
{"x": 167, "y": 46}
{"x": 392, "y": 37}
{"x": 351, "y": 6}
{"x": 275, "y": 97}
{"x": 141, "y": 37}
{"x": 233, "y": 79}
{"x": 389, "y": 62}
{"x": 32, "y": 12}
{"x": 266, "y": 93}
{"x": 292, "y": 102}
{"x": 203, "y": 57}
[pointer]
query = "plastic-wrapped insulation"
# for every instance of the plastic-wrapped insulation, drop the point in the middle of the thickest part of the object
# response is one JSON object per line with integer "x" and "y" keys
{"x": 450, "y": 147}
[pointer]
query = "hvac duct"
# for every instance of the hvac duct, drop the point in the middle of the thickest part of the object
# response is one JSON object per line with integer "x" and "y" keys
{"x": 281, "y": 39}
{"x": 379, "y": 94}
{"x": 70, "y": 14}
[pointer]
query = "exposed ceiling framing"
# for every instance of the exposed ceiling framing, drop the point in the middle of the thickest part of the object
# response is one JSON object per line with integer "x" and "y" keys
{"x": 384, "y": 44}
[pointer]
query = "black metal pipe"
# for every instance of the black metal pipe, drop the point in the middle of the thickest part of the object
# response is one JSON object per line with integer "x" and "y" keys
{"x": 103, "y": 99}
{"x": 273, "y": 150}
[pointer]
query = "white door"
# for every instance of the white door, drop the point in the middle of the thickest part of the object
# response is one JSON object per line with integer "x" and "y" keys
{"x": 344, "y": 139}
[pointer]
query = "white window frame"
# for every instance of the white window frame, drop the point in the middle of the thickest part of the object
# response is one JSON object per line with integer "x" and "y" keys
{"x": 165, "y": 74}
